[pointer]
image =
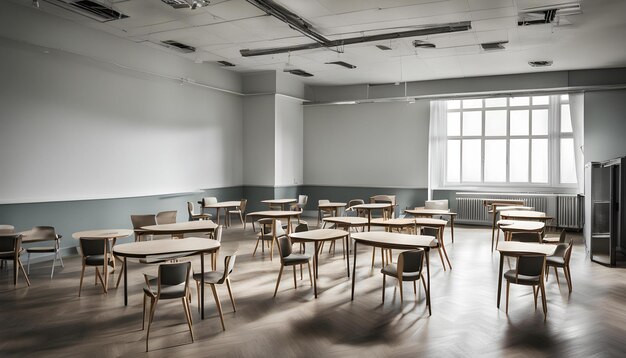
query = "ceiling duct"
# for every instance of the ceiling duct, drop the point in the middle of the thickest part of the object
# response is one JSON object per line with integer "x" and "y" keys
{"x": 180, "y": 47}
{"x": 298, "y": 72}
{"x": 341, "y": 63}
{"x": 423, "y": 44}
{"x": 432, "y": 30}
{"x": 491, "y": 46}
{"x": 91, "y": 9}
{"x": 546, "y": 14}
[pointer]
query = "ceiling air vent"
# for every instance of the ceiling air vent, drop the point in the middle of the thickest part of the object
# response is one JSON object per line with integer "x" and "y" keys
{"x": 490, "y": 46}
{"x": 341, "y": 63}
{"x": 226, "y": 63}
{"x": 423, "y": 44}
{"x": 540, "y": 63}
{"x": 91, "y": 9}
{"x": 298, "y": 72}
{"x": 175, "y": 45}
{"x": 383, "y": 47}
{"x": 547, "y": 14}
{"x": 186, "y": 4}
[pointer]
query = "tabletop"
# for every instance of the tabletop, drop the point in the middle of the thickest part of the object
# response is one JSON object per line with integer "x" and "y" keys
{"x": 430, "y": 221}
{"x": 201, "y": 225}
{"x": 393, "y": 222}
{"x": 279, "y": 201}
{"x": 392, "y": 239}
{"x": 523, "y": 214}
{"x": 513, "y": 207}
{"x": 424, "y": 211}
{"x": 516, "y": 247}
{"x": 331, "y": 205}
{"x": 347, "y": 220}
{"x": 103, "y": 234}
{"x": 223, "y": 204}
{"x": 373, "y": 206}
{"x": 513, "y": 225}
{"x": 142, "y": 249}
{"x": 318, "y": 235}
{"x": 275, "y": 213}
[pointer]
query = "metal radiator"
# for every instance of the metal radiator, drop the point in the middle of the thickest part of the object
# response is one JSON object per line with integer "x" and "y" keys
{"x": 566, "y": 209}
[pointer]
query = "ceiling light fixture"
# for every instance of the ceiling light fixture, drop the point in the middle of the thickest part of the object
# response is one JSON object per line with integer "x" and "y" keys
{"x": 546, "y": 63}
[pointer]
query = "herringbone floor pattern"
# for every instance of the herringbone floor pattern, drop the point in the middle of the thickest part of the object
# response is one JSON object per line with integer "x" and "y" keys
{"x": 49, "y": 319}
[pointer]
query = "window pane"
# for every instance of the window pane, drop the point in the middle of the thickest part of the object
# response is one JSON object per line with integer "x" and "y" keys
{"x": 518, "y": 160}
{"x": 472, "y": 123}
{"x": 495, "y": 160}
{"x": 519, "y": 122}
{"x": 495, "y": 102}
{"x": 564, "y": 97}
{"x": 473, "y": 103}
{"x": 540, "y": 122}
{"x": 495, "y": 123}
{"x": 539, "y": 100}
{"x": 454, "y": 123}
{"x": 520, "y": 101}
{"x": 566, "y": 119}
{"x": 539, "y": 161}
{"x": 453, "y": 174}
{"x": 454, "y": 104}
{"x": 568, "y": 167}
{"x": 471, "y": 160}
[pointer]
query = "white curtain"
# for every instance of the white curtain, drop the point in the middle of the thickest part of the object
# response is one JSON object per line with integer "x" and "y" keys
{"x": 436, "y": 145}
{"x": 577, "y": 108}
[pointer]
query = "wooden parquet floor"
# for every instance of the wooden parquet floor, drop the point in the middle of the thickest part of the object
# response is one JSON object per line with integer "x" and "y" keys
{"x": 48, "y": 319}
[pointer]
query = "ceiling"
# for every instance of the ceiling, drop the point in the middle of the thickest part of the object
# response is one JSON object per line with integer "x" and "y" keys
{"x": 595, "y": 38}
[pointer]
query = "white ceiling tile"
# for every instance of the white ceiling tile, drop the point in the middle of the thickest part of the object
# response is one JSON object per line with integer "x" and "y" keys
{"x": 489, "y": 4}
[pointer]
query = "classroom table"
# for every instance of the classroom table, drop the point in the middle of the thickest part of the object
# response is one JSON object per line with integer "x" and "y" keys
{"x": 417, "y": 212}
{"x": 372, "y": 206}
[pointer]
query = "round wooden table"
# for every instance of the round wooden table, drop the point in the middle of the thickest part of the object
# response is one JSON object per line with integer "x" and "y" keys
{"x": 223, "y": 205}
{"x": 417, "y": 212}
{"x": 275, "y": 215}
{"x": 185, "y": 227}
{"x": 333, "y": 207}
{"x": 372, "y": 206}
{"x": 396, "y": 223}
{"x": 347, "y": 222}
{"x": 508, "y": 227}
{"x": 281, "y": 202}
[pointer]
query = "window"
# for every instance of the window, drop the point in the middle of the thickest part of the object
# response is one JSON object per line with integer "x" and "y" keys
{"x": 523, "y": 140}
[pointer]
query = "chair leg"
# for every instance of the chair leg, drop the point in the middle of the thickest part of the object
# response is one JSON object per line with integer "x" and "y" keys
{"x": 187, "y": 316}
{"x": 219, "y": 305}
{"x": 401, "y": 294}
{"x": 295, "y": 285}
{"x": 82, "y": 274}
{"x": 414, "y": 288}
{"x": 424, "y": 284}
{"x": 19, "y": 262}
{"x": 255, "y": 247}
{"x": 556, "y": 273}
{"x": 507, "y": 297}
{"x": 544, "y": 302}
{"x": 198, "y": 294}
{"x": 280, "y": 273}
{"x": 119, "y": 277}
{"x": 384, "y": 276}
{"x": 28, "y": 263}
{"x": 568, "y": 277}
{"x": 143, "y": 313}
{"x": 535, "y": 293}
{"x": 441, "y": 257}
{"x": 153, "y": 303}
{"x": 230, "y": 293}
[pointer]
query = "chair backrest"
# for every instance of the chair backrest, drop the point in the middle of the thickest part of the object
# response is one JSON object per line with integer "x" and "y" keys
{"x": 562, "y": 236}
{"x": 568, "y": 252}
{"x": 209, "y": 200}
{"x": 530, "y": 265}
{"x": 431, "y": 231}
{"x": 436, "y": 204}
{"x": 303, "y": 199}
{"x": 279, "y": 229}
{"x": 284, "y": 244}
{"x": 526, "y": 237}
{"x": 142, "y": 220}
{"x": 323, "y": 201}
{"x": 564, "y": 250}
{"x": 46, "y": 232}
{"x": 166, "y": 217}
{"x": 217, "y": 234}
{"x": 190, "y": 209}
{"x": 10, "y": 242}
{"x": 92, "y": 246}
{"x": 354, "y": 202}
{"x": 6, "y": 229}
{"x": 229, "y": 265}
{"x": 174, "y": 274}
{"x": 242, "y": 205}
{"x": 411, "y": 261}
{"x": 302, "y": 227}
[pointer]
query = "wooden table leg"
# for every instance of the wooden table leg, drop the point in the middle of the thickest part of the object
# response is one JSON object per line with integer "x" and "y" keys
{"x": 493, "y": 227}
{"x": 500, "y": 277}
{"x": 201, "y": 286}
{"x": 105, "y": 269}
{"x": 353, "y": 272}
{"x": 125, "y": 282}
{"x": 452, "y": 227}
{"x": 347, "y": 248}
{"x": 428, "y": 276}
{"x": 315, "y": 263}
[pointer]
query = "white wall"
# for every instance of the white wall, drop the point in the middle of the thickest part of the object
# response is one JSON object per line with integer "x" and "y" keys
{"x": 75, "y": 128}
{"x": 374, "y": 144}
{"x": 288, "y": 142}
{"x": 258, "y": 140}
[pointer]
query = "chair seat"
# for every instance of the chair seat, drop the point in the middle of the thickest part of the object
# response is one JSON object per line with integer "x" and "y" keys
{"x": 392, "y": 270}
{"x": 214, "y": 277}
{"x": 521, "y": 279}
{"x": 203, "y": 216}
{"x": 167, "y": 291}
{"x": 296, "y": 259}
{"x": 41, "y": 249}
{"x": 555, "y": 261}
{"x": 551, "y": 240}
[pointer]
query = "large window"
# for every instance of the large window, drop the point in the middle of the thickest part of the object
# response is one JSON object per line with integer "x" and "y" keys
{"x": 524, "y": 140}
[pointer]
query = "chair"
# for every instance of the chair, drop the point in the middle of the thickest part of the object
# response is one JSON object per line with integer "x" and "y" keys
{"x": 196, "y": 216}
{"x": 354, "y": 202}
{"x": 93, "y": 253}
{"x": 555, "y": 239}
{"x": 213, "y": 278}
{"x": 561, "y": 258}
{"x": 239, "y": 211}
{"x": 10, "y": 250}
{"x": 6, "y": 229}
{"x": 323, "y": 212}
{"x": 386, "y": 199}
{"x": 436, "y": 204}
{"x": 172, "y": 282}
{"x": 529, "y": 271}
{"x": 208, "y": 200}
{"x": 166, "y": 217}
{"x": 441, "y": 248}
{"x": 217, "y": 236}
{"x": 288, "y": 258}
{"x": 140, "y": 221}
{"x": 299, "y": 206}
{"x": 526, "y": 237}
{"x": 266, "y": 235}
{"x": 409, "y": 268}
{"x": 46, "y": 233}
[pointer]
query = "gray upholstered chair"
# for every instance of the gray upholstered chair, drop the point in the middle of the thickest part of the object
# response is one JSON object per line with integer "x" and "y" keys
{"x": 196, "y": 216}
{"x": 92, "y": 251}
{"x": 409, "y": 268}
{"x": 529, "y": 271}
{"x": 353, "y": 202}
{"x": 239, "y": 211}
{"x": 288, "y": 258}
{"x": 208, "y": 200}
{"x": 213, "y": 278}
{"x": 549, "y": 239}
{"x": 140, "y": 221}
{"x": 299, "y": 206}
{"x": 10, "y": 250}
{"x": 560, "y": 259}
{"x": 166, "y": 217}
{"x": 267, "y": 236}
{"x": 172, "y": 282}
{"x": 46, "y": 233}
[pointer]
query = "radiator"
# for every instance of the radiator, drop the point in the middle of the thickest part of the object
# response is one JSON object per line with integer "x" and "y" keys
{"x": 566, "y": 209}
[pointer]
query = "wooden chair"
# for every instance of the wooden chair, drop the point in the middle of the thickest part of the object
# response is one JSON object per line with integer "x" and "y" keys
{"x": 526, "y": 237}
{"x": 196, "y": 216}
{"x": 140, "y": 221}
{"x": 239, "y": 211}
{"x": 288, "y": 258}
{"x": 299, "y": 206}
{"x": 409, "y": 268}
{"x": 267, "y": 236}
{"x": 213, "y": 278}
{"x": 560, "y": 259}
{"x": 555, "y": 239}
{"x": 10, "y": 250}
{"x": 46, "y": 233}
{"x": 529, "y": 271}
{"x": 208, "y": 200}
{"x": 166, "y": 217}
{"x": 323, "y": 212}
{"x": 94, "y": 253}
{"x": 172, "y": 282}
{"x": 441, "y": 248}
